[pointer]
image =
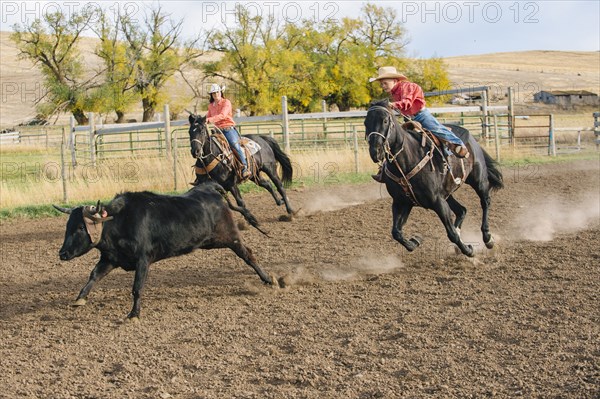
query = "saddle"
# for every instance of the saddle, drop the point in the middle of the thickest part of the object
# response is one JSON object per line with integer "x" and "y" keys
{"x": 453, "y": 168}
{"x": 439, "y": 143}
{"x": 231, "y": 157}
{"x": 416, "y": 127}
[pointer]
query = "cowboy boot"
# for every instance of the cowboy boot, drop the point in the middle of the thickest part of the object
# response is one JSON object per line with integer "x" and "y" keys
{"x": 379, "y": 176}
{"x": 461, "y": 151}
{"x": 246, "y": 174}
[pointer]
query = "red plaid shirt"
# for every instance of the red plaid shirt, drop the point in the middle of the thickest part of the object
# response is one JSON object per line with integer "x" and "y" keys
{"x": 408, "y": 97}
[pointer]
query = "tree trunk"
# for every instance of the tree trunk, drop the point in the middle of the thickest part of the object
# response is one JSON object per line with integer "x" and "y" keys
{"x": 148, "y": 106}
{"x": 120, "y": 117}
{"x": 343, "y": 107}
{"x": 80, "y": 117}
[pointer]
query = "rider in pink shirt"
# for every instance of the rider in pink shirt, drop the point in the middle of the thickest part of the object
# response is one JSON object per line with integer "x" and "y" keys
{"x": 220, "y": 114}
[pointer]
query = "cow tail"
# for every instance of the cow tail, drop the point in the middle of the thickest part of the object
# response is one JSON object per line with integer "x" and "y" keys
{"x": 245, "y": 212}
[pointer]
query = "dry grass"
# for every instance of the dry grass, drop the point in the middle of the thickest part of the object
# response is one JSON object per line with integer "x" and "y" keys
{"x": 36, "y": 180}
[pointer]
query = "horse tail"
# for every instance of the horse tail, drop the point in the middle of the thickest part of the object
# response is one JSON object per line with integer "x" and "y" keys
{"x": 493, "y": 172}
{"x": 282, "y": 158}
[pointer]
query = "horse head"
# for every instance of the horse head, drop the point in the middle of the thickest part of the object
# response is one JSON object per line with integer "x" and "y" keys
{"x": 198, "y": 134}
{"x": 380, "y": 129}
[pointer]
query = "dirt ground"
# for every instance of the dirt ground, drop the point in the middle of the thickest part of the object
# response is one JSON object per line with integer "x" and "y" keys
{"x": 361, "y": 317}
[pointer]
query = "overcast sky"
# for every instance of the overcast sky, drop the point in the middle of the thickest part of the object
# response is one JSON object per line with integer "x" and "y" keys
{"x": 435, "y": 28}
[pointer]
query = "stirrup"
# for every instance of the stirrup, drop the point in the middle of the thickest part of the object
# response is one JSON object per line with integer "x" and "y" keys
{"x": 246, "y": 174}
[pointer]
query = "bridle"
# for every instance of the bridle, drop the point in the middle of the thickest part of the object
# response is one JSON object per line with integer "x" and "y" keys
{"x": 201, "y": 143}
{"x": 390, "y": 157}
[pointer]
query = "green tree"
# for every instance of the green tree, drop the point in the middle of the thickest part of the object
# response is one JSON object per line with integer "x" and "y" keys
{"x": 51, "y": 44}
{"x": 156, "y": 50}
{"x": 117, "y": 92}
{"x": 332, "y": 60}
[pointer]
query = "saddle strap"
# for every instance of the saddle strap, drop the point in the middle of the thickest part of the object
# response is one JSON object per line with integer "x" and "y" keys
{"x": 208, "y": 168}
{"x": 402, "y": 182}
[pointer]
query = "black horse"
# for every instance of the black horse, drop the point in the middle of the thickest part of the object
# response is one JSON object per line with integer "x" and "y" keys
{"x": 417, "y": 173}
{"x": 207, "y": 152}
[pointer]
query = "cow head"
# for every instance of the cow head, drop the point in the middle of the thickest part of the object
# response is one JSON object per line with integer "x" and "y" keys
{"x": 84, "y": 230}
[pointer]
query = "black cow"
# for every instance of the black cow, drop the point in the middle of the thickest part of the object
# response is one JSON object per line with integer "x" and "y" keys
{"x": 139, "y": 228}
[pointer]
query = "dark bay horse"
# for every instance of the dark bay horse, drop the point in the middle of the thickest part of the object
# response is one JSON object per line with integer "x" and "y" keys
{"x": 415, "y": 174}
{"x": 206, "y": 151}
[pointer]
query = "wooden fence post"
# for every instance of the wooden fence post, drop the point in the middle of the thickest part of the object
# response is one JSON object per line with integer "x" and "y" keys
{"x": 71, "y": 142}
{"x": 167, "y": 115}
{"x": 484, "y": 116}
{"x": 92, "y": 126}
{"x": 63, "y": 168}
{"x": 355, "y": 139}
{"x": 551, "y": 138}
{"x": 175, "y": 163}
{"x": 496, "y": 137}
{"x": 286, "y": 124}
{"x": 511, "y": 115}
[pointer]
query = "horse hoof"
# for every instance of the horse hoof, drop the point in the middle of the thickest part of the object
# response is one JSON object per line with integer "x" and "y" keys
{"x": 283, "y": 282}
{"x": 490, "y": 243}
{"x": 80, "y": 302}
{"x": 470, "y": 253}
{"x": 132, "y": 320}
{"x": 417, "y": 239}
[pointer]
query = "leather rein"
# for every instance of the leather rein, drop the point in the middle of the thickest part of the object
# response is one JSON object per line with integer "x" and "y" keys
{"x": 404, "y": 180}
{"x": 206, "y": 168}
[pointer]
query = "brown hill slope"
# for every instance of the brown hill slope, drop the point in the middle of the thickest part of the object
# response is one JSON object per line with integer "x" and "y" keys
{"x": 528, "y": 72}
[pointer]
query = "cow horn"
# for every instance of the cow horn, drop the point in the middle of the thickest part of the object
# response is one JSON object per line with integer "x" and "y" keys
{"x": 189, "y": 112}
{"x": 91, "y": 211}
{"x": 63, "y": 210}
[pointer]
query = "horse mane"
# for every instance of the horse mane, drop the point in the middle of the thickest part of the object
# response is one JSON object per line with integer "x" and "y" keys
{"x": 384, "y": 102}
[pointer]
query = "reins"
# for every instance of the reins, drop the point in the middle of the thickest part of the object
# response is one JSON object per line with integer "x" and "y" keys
{"x": 404, "y": 180}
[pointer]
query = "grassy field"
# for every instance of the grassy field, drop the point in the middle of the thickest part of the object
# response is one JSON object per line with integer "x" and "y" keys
{"x": 33, "y": 177}
{"x": 32, "y": 180}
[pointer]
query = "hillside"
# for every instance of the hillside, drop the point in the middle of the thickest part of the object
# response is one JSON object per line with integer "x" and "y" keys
{"x": 528, "y": 72}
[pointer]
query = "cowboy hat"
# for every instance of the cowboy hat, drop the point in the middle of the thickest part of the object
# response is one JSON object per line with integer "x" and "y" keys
{"x": 214, "y": 88}
{"x": 388, "y": 72}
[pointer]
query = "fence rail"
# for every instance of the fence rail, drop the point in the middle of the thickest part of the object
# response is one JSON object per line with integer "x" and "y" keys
{"x": 495, "y": 125}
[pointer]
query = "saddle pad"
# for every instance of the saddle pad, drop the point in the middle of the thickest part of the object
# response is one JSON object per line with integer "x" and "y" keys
{"x": 252, "y": 146}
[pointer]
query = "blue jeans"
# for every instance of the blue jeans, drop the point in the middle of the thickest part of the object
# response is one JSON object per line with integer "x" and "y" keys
{"x": 233, "y": 137}
{"x": 429, "y": 122}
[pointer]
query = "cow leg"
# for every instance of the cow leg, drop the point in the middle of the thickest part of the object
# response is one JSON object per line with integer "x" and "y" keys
{"x": 141, "y": 273}
{"x": 103, "y": 267}
{"x": 246, "y": 254}
{"x": 235, "y": 191}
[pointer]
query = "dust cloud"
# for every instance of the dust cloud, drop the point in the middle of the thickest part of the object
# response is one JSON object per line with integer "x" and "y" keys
{"x": 550, "y": 216}
{"x": 342, "y": 198}
{"x": 374, "y": 264}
